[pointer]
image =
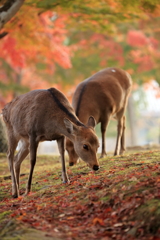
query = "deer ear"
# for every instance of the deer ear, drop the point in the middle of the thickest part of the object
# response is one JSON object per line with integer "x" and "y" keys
{"x": 71, "y": 128}
{"x": 91, "y": 122}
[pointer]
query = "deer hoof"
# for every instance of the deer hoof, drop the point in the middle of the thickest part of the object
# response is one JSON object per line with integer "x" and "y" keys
{"x": 15, "y": 195}
{"x": 71, "y": 164}
{"x": 26, "y": 193}
{"x": 66, "y": 181}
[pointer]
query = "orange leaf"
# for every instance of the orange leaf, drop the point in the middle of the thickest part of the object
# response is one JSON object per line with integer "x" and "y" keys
{"x": 99, "y": 221}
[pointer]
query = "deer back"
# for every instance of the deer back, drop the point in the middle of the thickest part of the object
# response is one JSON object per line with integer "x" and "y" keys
{"x": 40, "y": 111}
{"x": 105, "y": 91}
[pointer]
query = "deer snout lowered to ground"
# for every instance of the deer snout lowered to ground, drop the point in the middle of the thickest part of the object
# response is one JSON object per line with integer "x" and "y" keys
{"x": 45, "y": 115}
{"x": 103, "y": 95}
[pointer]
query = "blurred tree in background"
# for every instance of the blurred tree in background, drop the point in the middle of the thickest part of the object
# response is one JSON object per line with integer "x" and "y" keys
{"x": 60, "y": 43}
{"x": 51, "y": 42}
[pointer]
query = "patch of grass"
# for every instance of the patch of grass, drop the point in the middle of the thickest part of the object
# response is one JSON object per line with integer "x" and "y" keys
{"x": 4, "y": 214}
{"x": 148, "y": 215}
{"x": 151, "y": 207}
{"x": 15, "y": 231}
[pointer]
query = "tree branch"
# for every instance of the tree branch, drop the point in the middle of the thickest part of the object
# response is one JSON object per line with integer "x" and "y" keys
{"x": 3, "y": 34}
{"x": 8, "y": 10}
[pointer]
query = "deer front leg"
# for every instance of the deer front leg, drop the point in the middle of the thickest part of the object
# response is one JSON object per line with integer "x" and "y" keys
{"x": 61, "y": 148}
{"x": 20, "y": 156}
{"x": 10, "y": 155}
{"x": 104, "y": 125}
{"x": 33, "y": 153}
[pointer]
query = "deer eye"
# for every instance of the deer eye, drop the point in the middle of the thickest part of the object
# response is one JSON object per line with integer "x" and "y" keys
{"x": 85, "y": 147}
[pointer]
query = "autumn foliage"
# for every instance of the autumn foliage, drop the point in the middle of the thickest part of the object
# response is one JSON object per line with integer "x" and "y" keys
{"x": 46, "y": 36}
{"x": 41, "y": 45}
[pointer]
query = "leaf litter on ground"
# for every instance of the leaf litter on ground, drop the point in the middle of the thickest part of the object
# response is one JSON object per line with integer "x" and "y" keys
{"x": 120, "y": 201}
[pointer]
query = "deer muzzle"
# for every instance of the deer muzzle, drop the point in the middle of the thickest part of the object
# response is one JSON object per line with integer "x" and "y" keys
{"x": 95, "y": 167}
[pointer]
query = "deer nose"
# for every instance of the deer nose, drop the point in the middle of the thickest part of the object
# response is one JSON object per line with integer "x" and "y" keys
{"x": 95, "y": 167}
{"x": 71, "y": 164}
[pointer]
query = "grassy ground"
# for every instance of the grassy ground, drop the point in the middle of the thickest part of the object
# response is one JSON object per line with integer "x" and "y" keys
{"x": 120, "y": 201}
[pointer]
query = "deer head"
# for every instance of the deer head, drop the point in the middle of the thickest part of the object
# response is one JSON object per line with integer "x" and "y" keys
{"x": 84, "y": 143}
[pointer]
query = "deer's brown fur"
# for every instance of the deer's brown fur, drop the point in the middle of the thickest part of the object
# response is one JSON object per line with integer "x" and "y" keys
{"x": 42, "y": 115}
{"x": 103, "y": 95}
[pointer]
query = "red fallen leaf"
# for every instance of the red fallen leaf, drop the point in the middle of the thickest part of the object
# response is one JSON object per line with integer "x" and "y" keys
{"x": 49, "y": 174}
{"x": 20, "y": 197}
{"x": 39, "y": 207}
{"x": 21, "y": 217}
{"x": 108, "y": 210}
{"x": 72, "y": 217}
{"x": 55, "y": 178}
{"x": 36, "y": 224}
{"x": 26, "y": 220}
{"x": 13, "y": 214}
{"x": 96, "y": 185}
{"x": 156, "y": 166}
{"x": 99, "y": 221}
{"x": 30, "y": 194}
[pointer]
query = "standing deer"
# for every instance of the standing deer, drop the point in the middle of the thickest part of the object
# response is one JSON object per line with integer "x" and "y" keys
{"x": 103, "y": 95}
{"x": 42, "y": 115}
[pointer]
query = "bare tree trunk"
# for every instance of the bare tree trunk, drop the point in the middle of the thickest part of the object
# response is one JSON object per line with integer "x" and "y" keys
{"x": 132, "y": 121}
{"x": 8, "y": 10}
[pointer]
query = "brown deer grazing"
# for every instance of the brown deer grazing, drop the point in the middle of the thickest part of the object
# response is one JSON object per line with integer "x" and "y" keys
{"x": 45, "y": 115}
{"x": 103, "y": 95}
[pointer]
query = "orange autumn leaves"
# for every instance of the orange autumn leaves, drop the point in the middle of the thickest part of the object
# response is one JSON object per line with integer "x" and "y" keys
{"x": 145, "y": 50}
{"x": 42, "y": 42}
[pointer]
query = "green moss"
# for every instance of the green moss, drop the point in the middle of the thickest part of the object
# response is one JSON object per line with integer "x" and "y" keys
{"x": 4, "y": 214}
{"x": 105, "y": 199}
{"x": 148, "y": 216}
{"x": 150, "y": 208}
{"x": 14, "y": 231}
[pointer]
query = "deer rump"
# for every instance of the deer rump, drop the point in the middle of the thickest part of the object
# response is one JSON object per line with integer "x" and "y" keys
{"x": 42, "y": 115}
{"x": 103, "y": 95}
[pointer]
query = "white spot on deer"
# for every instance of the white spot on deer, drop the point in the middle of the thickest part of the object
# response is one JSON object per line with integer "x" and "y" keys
{"x": 113, "y": 70}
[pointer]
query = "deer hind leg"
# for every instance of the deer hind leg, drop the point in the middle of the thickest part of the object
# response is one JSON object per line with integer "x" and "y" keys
{"x": 61, "y": 148}
{"x": 120, "y": 130}
{"x": 104, "y": 125}
{"x": 33, "y": 144}
{"x": 122, "y": 149}
{"x": 22, "y": 153}
{"x": 12, "y": 144}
